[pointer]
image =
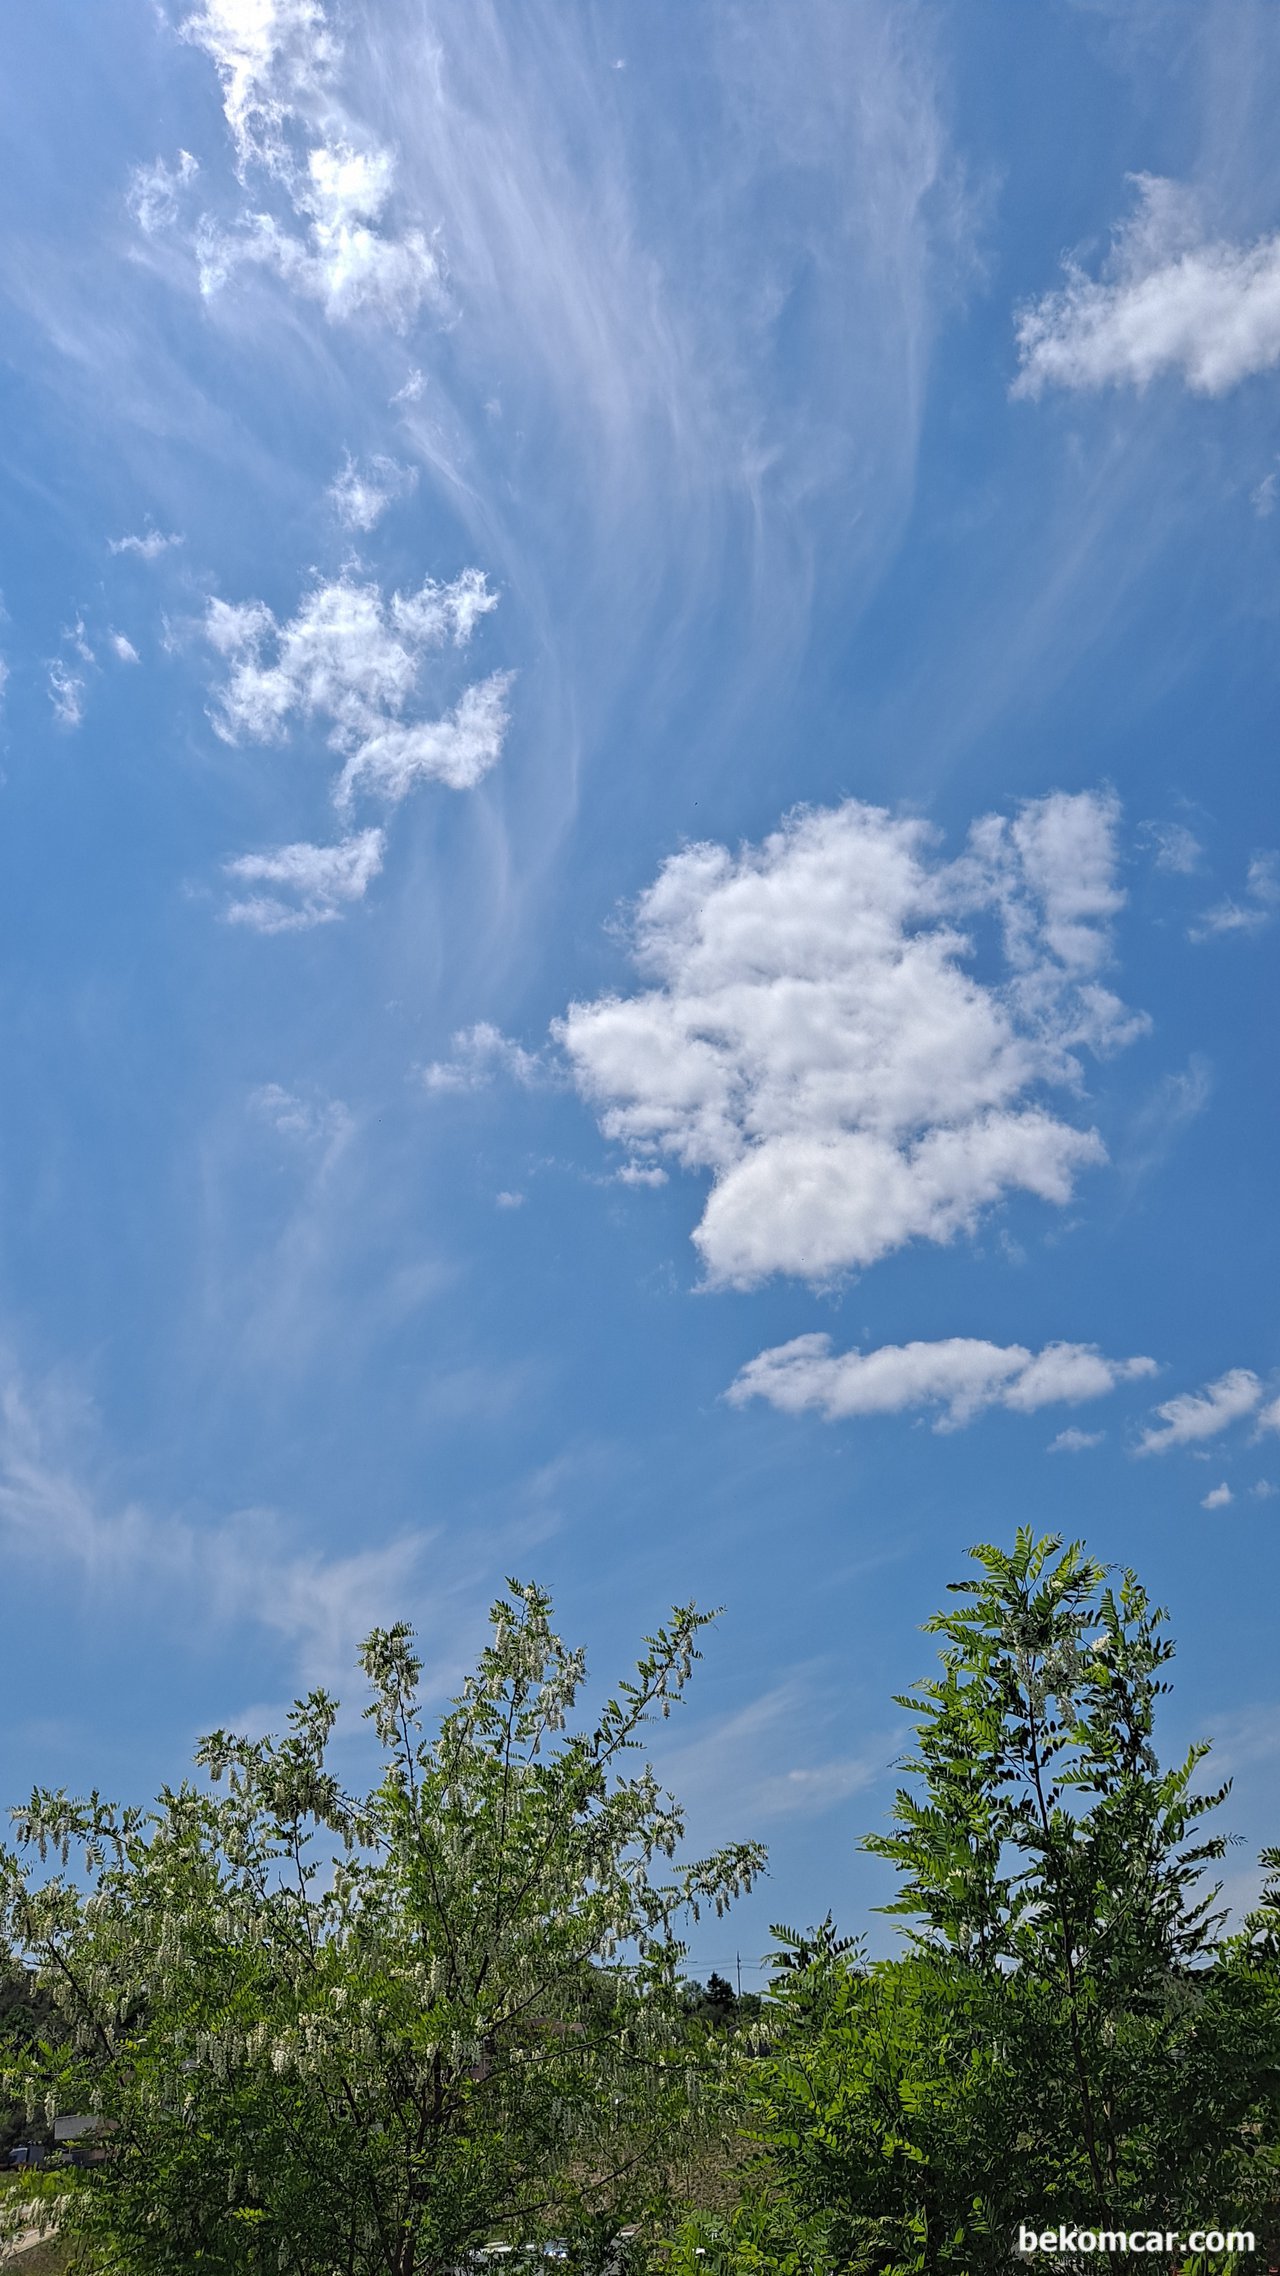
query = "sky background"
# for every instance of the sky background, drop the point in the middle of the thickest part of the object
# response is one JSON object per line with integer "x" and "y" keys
{"x": 639, "y": 860}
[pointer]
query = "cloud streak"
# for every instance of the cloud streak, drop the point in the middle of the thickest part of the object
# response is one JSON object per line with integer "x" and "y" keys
{"x": 242, "y": 1571}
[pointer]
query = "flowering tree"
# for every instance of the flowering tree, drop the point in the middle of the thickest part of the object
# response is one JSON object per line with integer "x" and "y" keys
{"x": 328, "y": 2032}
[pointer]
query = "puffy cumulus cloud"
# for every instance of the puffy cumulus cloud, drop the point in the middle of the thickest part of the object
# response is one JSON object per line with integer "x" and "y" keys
{"x": 458, "y": 749}
{"x": 336, "y": 242}
{"x": 1170, "y": 299}
{"x": 353, "y": 661}
{"x": 1075, "y": 1441}
{"x": 1218, "y": 1497}
{"x": 360, "y": 495}
{"x": 1269, "y": 1419}
{"x": 1194, "y": 1415}
{"x": 347, "y": 657}
{"x": 1257, "y": 907}
{"x": 960, "y": 1374}
{"x": 481, "y": 1053}
{"x": 815, "y": 1038}
{"x": 309, "y": 884}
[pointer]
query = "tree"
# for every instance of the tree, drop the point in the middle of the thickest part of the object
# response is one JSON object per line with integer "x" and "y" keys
{"x": 362, "y": 2033}
{"x": 1067, "y": 2037}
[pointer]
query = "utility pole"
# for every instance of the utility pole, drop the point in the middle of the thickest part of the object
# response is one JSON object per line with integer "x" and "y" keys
{"x": 738, "y": 1959}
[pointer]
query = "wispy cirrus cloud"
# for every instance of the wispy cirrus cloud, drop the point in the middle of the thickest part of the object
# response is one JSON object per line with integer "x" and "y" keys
{"x": 66, "y": 694}
{"x": 961, "y": 1375}
{"x": 1171, "y": 300}
{"x": 815, "y": 1038}
{"x": 1252, "y": 911}
{"x": 244, "y": 1570}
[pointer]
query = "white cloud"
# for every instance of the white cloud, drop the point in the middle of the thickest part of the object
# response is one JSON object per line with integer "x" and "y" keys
{"x": 508, "y": 1200}
{"x": 66, "y": 694}
{"x": 1218, "y": 1497}
{"x": 1263, "y": 1490}
{"x": 347, "y": 657}
{"x": 960, "y": 1374}
{"x": 322, "y": 880}
{"x": 1194, "y": 1415}
{"x": 1171, "y": 299}
{"x": 481, "y": 1053}
{"x": 124, "y": 648}
{"x": 155, "y": 192}
{"x": 458, "y": 749}
{"x": 361, "y": 495}
{"x": 275, "y": 59}
{"x": 354, "y": 661}
{"x": 1259, "y": 907}
{"x": 814, "y": 1036}
{"x": 1263, "y": 498}
{"x": 148, "y": 546}
{"x": 1269, "y": 1419}
{"x": 1074, "y": 1441}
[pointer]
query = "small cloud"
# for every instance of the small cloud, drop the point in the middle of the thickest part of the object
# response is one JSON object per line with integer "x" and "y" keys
{"x": 1194, "y": 1415}
{"x": 324, "y": 880}
{"x": 66, "y": 694}
{"x": 1263, "y": 1490}
{"x": 1258, "y": 907}
{"x": 640, "y": 1173}
{"x": 148, "y": 544}
{"x": 309, "y": 1120}
{"x": 124, "y": 649}
{"x": 1075, "y": 1441}
{"x": 1218, "y": 1498}
{"x": 1263, "y": 499}
{"x": 1269, "y": 1419}
{"x": 481, "y": 1053}
{"x": 414, "y": 386}
{"x": 154, "y": 192}
{"x": 1158, "y": 1123}
{"x": 361, "y": 495}
{"x": 508, "y": 1200}
{"x": 1174, "y": 848}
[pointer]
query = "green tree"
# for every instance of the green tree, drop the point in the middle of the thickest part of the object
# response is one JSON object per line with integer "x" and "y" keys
{"x": 364, "y": 2033}
{"x": 1067, "y": 2036}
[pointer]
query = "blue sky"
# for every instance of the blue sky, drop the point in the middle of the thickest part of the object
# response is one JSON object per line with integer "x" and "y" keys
{"x": 640, "y": 863}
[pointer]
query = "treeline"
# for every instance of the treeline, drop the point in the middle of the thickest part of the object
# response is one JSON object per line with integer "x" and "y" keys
{"x": 381, "y": 2033}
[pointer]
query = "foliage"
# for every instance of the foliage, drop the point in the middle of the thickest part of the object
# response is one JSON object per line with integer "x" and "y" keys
{"x": 1066, "y": 2036}
{"x": 362, "y": 2033}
